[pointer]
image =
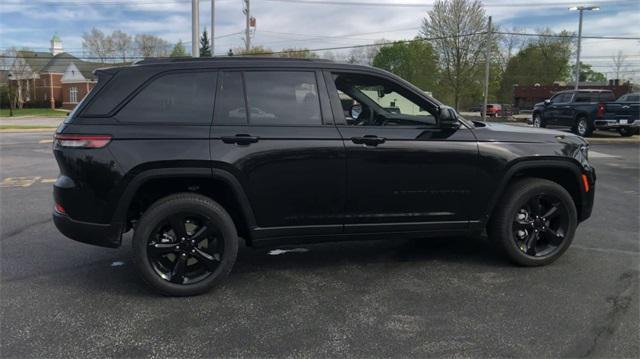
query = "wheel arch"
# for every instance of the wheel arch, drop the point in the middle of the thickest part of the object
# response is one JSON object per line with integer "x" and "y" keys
{"x": 564, "y": 172}
{"x": 222, "y": 186}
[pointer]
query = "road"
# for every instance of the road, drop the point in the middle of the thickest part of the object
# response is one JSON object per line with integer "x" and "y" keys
{"x": 411, "y": 298}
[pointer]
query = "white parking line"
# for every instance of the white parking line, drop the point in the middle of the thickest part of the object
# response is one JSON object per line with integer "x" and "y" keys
{"x": 46, "y": 141}
{"x": 594, "y": 154}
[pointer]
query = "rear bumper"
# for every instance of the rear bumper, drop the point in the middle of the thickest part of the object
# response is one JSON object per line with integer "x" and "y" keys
{"x": 104, "y": 235}
{"x": 612, "y": 124}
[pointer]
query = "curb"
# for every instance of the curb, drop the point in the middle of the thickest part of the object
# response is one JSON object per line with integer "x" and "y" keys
{"x": 37, "y": 129}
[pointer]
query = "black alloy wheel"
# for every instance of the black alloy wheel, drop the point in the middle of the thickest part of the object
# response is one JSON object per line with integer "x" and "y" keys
{"x": 185, "y": 248}
{"x": 534, "y": 222}
{"x": 185, "y": 244}
{"x": 540, "y": 226}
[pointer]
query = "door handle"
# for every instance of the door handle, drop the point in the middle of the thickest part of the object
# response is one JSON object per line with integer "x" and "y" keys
{"x": 370, "y": 140}
{"x": 240, "y": 139}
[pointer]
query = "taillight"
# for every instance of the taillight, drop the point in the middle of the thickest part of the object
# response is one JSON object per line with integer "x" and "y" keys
{"x": 600, "y": 110}
{"x": 81, "y": 141}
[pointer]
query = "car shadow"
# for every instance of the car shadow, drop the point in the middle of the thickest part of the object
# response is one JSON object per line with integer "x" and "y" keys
{"x": 118, "y": 275}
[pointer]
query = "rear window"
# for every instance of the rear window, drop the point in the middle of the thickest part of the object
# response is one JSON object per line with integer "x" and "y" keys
{"x": 185, "y": 97}
{"x": 282, "y": 98}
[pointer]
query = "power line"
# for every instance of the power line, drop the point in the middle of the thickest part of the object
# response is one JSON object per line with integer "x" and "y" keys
{"x": 568, "y": 36}
{"x": 414, "y": 5}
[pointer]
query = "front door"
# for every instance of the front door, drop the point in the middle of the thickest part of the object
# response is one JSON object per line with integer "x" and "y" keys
{"x": 404, "y": 173}
{"x": 282, "y": 144}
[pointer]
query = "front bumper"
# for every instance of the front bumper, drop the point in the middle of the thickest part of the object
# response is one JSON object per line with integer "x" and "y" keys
{"x": 614, "y": 124}
{"x": 586, "y": 207}
{"x": 104, "y": 235}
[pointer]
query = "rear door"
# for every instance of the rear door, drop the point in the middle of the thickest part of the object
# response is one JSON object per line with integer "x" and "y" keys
{"x": 274, "y": 130}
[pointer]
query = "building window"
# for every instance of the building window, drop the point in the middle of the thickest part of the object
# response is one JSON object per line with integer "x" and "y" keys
{"x": 73, "y": 95}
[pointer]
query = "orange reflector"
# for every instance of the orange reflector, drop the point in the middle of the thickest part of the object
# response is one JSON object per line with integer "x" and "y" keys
{"x": 585, "y": 182}
{"x": 58, "y": 208}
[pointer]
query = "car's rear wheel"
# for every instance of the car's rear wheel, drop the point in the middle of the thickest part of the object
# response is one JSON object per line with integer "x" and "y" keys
{"x": 626, "y": 131}
{"x": 185, "y": 244}
{"x": 535, "y": 222}
{"x": 582, "y": 127}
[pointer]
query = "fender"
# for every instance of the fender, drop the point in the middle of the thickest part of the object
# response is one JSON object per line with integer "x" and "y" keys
{"x": 136, "y": 182}
{"x": 523, "y": 164}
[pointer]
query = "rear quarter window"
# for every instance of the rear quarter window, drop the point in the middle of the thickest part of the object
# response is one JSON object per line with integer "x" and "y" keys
{"x": 182, "y": 97}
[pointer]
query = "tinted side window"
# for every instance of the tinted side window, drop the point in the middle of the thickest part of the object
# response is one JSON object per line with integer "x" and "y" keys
{"x": 282, "y": 98}
{"x": 173, "y": 98}
{"x": 586, "y": 97}
{"x": 562, "y": 98}
{"x": 230, "y": 103}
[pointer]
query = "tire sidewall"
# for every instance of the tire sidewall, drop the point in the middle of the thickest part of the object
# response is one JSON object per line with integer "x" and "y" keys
{"x": 517, "y": 200}
{"x": 184, "y": 203}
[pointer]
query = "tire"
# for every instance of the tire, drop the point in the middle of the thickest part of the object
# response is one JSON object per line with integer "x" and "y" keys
{"x": 582, "y": 127}
{"x": 545, "y": 239}
{"x": 537, "y": 121}
{"x": 626, "y": 131}
{"x": 188, "y": 258}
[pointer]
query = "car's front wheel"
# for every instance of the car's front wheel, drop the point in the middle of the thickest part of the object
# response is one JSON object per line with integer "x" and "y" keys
{"x": 185, "y": 244}
{"x": 535, "y": 222}
{"x": 537, "y": 121}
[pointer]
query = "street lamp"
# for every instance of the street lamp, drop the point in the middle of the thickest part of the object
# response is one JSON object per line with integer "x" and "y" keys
{"x": 581, "y": 9}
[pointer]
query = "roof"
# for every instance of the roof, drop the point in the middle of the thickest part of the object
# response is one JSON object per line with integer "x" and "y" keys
{"x": 168, "y": 60}
{"x": 35, "y": 59}
{"x": 60, "y": 62}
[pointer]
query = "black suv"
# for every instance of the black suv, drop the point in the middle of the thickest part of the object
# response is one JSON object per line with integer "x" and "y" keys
{"x": 193, "y": 154}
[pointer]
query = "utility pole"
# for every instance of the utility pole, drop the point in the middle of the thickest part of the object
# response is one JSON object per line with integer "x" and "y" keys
{"x": 487, "y": 58}
{"x": 195, "y": 28}
{"x": 581, "y": 9}
{"x": 213, "y": 25}
{"x": 578, "y": 54}
{"x": 247, "y": 30}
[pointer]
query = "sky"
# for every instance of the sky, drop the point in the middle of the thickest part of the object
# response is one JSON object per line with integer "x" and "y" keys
{"x": 313, "y": 24}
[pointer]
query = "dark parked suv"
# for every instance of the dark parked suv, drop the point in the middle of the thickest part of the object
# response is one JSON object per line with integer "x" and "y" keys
{"x": 193, "y": 155}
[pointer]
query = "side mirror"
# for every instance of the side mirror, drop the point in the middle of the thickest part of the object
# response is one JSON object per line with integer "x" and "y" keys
{"x": 547, "y": 102}
{"x": 448, "y": 118}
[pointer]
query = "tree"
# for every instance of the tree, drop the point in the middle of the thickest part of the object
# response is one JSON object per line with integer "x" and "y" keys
{"x": 205, "y": 48}
{"x": 456, "y": 29}
{"x": 297, "y": 53}
{"x": 543, "y": 61}
{"x": 178, "y": 50}
{"x": 587, "y": 74}
{"x": 364, "y": 55}
{"x": 619, "y": 63}
{"x": 22, "y": 75}
{"x": 121, "y": 43}
{"x": 415, "y": 62}
{"x": 98, "y": 45}
{"x": 254, "y": 51}
{"x": 151, "y": 46}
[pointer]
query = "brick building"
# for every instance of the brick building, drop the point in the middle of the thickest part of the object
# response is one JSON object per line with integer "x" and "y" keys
{"x": 54, "y": 79}
{"x": 524, "y": 97}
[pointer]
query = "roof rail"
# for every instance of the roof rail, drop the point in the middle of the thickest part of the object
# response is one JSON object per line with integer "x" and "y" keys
{"x": 165, "y": 60}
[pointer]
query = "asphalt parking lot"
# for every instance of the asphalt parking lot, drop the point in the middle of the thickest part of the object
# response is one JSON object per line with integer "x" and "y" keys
{"x": 412, "y": 298}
